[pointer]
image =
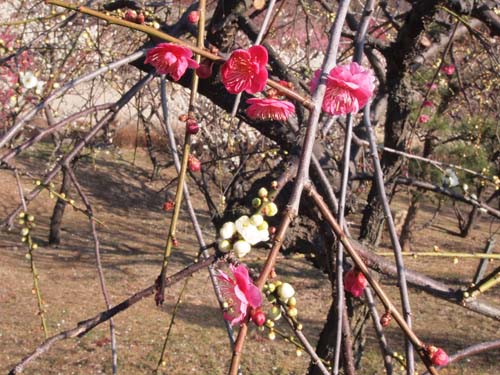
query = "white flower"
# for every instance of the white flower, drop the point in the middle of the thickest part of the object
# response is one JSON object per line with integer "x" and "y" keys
{"x": 39, "y": 87}
{"x": 285, "y": 291}
{"x": 28, "y": 80}
{"x": 241, "y": 248}
{"x": 227, "y": 231}
{"x": 249, "y": 231}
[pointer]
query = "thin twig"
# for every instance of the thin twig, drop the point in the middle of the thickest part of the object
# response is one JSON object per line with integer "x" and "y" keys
{"x": 100, "y": 272}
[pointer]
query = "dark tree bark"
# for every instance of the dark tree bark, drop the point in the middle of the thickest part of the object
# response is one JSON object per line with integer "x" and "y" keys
{"x": 58, "y": 212}
{"x": 399, "y": 57}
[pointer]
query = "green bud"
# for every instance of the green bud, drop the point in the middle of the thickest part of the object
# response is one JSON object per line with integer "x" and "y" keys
{"x": 275, "y": 313}
{"x": 21, "y": 222}
{"x": 292, "y": 312}
{"x": 263, "y": 192}
{"x": 292, "y": 302}
{"x": 256, "y": 202}
{"x": 271, "y": 287}
{"x": 34, "y": 246}
{"x": 271, "y": 209}
{"x": 31, "y": 218}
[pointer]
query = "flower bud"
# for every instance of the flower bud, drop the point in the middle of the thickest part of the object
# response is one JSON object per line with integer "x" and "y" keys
{"x": 130, "y": 15}
{"x": 271, "y": 209}
{"x": 31, "y": 218}
{"x": 204, "y": 71}
{"x": 263, "y": 226}
{"x": 292, "y": 302}
{"x": 241, "y": 248}
{"x": 438, "y": 356}
{"x": 298, "y": 352}
{"x": 385, "y": 319}
{"x": 256, "y": 202}
{"x": 194, "y": 164}
{"x": 228, "y": 230}
{"x": 285, "y": 291}
{"x": 271, "y": 336}
{"x": 192, "y": 126}
{"x": 194, "y": 16}
{"x": 258, "y": 317}
{"x": 168, "y": 205}
{"x": 224, "y": 246}
{"x": 140, "y": 18}
{"x": 275, "y": 313}
{"x": 292, "y": 312}
{"x": 263, "y": 192}
{"x": 25, "y": 231}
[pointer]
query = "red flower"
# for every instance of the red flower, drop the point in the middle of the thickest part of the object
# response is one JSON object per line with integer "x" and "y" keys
{"x": 438, "y": 356}
{"x": 427, "y": 103}
{"x": 194, "y": 164}
{"x": 258, "y": 317}
{"x": 245, "y": 70}
{"x": 355, "y": 282}
{"x": 269, "y": 109}
{"x": 448, "y": 69}
{"x": 239, "y": 294}
{"x": 423, "y": 119}
{"x": 171, "y": 59}
{"x": 348, "y": 88}
{"x": 168, "y": 205}
{"x": 194, "y": 16}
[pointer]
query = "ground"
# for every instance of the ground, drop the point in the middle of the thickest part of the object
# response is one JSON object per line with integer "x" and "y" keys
{"x": 132, "y": 239}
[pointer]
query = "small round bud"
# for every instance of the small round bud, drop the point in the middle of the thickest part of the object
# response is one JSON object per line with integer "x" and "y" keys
{"x": 25, "y": 231}
{"x": 241, "y": 248}
{"x": 271, "y": 209}
{"x": 192, "y": 127}
{"x": 298, "y": 352}
{"x": 275, "y": 313}
{"x": 269, "y": 323}
{"x": 140, "y": 18}
{"x": 225, "y": 305}
{"x": 34, "y": 246}
{"x": 263, "y": 192}
{"x": 204, "y": 71}
{"x": 21, "y": 222}
{"x": 31, "y": 218}
{"x": 38, "y": 182}
{"x": 224, "y": 246}
{"x": 271, "y": 287}
{"x": 194, "y": 164}
{"x": 24, "y": 239}
{"x": 175, "y": 242}
{"x": 292, "y": 302}
{"x": 72, "y": 202}
{"x": 292, "y": 312}
{"x": 22, "y": 214}
{"x": 227, "y": 230}
{"x": 130, "y": 15}
{"x": 259, "y": 318}
{"x": 27, "y": 256}
{"x": 256, "y": 202}
{"x": 183, "y": 118}
{"x": 299, "y": 327}
{"x": 285, "y": 291}
{"x": 385, "y": 319}
{"x": 194, "y": 16}
{"x": 272, "y": 336}
{"x": 274, "y": 184}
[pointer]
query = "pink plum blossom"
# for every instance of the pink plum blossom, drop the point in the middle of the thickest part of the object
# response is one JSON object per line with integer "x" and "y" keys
{"x": 348, "y": 88}
{"x": 431, "y": 86}
{"x": 269, "y": 109}
{"x": 245, "y": 70}
{"x": 240, "y": 294}
{"x": 423, "y": 119}
{"x": 427, "y": 103}
{"x": 448, "y": 69}
{"x": 171, "y": 59}
{"x": 355, "y": 282}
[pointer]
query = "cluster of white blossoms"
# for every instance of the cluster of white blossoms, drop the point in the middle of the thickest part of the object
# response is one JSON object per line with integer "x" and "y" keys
{"x": 240, "y": 235}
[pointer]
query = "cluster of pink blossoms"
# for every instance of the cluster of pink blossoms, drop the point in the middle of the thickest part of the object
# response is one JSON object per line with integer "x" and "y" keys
{"x": 348, "y": 87}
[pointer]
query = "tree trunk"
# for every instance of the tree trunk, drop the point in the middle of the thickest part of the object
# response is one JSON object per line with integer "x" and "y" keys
{"x": 407, "y": 231}
{"x": 58, "y": 212}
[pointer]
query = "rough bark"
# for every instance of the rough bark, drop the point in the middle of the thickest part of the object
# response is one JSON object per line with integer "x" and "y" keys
{"x": 399, "y": 57}
{"x": 58, "y": 212}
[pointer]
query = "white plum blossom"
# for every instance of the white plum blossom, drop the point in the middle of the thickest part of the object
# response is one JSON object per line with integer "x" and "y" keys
{"x": 250, "y": 232}
{"x": 28, "y": 80}
{"x": 241, "y": 248}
